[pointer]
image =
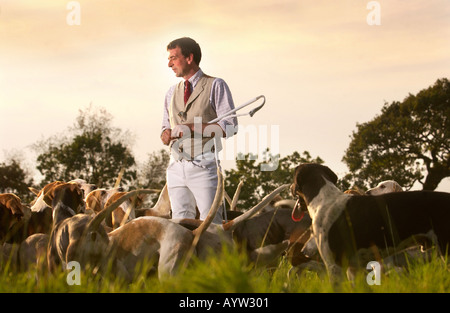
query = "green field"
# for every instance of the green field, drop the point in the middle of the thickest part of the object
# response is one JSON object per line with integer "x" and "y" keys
{"x": 230, "y": 272}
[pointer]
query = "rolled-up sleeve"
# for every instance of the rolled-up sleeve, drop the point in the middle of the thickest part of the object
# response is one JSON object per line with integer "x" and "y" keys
{"x": 222, "y": 102}
{"x": 166, "y": 120}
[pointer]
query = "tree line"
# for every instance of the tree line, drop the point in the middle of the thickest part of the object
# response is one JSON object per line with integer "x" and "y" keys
{"x": 409, "y": 142}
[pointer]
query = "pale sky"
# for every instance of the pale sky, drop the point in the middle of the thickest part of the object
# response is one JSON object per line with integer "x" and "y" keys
{"x": 319, "y": 63}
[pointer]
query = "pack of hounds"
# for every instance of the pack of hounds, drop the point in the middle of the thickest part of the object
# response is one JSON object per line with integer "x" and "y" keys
{"x": 323, "y": 228}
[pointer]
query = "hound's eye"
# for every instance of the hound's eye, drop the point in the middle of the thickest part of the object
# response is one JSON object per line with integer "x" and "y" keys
{"x": 382, "y": 186}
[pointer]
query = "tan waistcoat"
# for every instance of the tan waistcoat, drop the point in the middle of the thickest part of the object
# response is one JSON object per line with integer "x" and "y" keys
{"x": 198, "y": 105}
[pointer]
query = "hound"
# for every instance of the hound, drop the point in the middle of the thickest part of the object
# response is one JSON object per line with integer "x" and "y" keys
{"x": 40, "y": 220}
{"x": 126, "y": 211}
{"x": 33, "y": 251}
{"x": 85, "y": 187}
{"x": 385, "y": 187}
{"x": 76, "y": 236}
{"x": 31, "y": 223}
{"x": 342, "y": 224}
{"x": 98, "y": 199}
{"x": 11, "y": 211}
{"x": 39, "y": 205}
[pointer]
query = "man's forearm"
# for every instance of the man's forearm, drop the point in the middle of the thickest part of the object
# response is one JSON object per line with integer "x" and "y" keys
{"x": 211, "y": 129}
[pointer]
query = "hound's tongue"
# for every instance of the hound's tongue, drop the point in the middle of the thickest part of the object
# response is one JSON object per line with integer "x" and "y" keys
{"x": 297, "y": 212}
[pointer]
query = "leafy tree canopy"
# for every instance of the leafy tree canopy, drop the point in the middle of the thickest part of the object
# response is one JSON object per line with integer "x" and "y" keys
{"x": 258, "y": 183}
{"x": 93, "y": 150}
{"x": 15, "y": 179}
{"x": 408, "y": 142}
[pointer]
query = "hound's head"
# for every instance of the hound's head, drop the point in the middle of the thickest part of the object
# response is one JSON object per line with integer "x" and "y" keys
{"x": 126, "y": 209}
{"x": 12, "y": 205}
{"x": 68, "y": 194}
{"x": 386, "y": 186}
{"x": 309, "y": 178}
{"x": 96, "y": 199}
{"x": 85, "y": 186}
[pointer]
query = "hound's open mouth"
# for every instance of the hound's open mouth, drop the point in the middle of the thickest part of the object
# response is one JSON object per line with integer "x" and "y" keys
{"x": 298, "y": 212}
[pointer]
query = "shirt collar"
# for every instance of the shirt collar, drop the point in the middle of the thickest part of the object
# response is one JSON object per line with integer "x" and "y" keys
{"x": 195, "y": 78}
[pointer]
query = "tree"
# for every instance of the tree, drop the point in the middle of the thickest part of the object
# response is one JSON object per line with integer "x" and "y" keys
{"x": 257, "y": 183}
{"x": 94, "y": 151}
{"x": 152, "y": 174}
{"x": 15, "y": 179}
{"x": 408, "y": 142}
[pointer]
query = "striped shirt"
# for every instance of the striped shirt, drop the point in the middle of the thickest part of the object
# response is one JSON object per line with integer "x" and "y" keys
{"x": 220, "y": 99}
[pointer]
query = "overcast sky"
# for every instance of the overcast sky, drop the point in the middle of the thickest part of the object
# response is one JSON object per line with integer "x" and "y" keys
{"x": 319, "y": 63}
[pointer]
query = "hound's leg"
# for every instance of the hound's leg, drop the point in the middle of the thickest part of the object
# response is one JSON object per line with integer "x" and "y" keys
{"x": 334, "y": 271}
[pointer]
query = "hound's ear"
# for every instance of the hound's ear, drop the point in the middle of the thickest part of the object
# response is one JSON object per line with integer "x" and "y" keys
{"x": 15, "y": 205}
{"x": 330, "y": 174}
{"x": 49, "y": 192}
{"x": 296, "y": 177}
{"x": 34, "y": 190}
{"x": 76, "y": 188}
{"x": 92, "y": 202}
{"x": 48, "y": 197}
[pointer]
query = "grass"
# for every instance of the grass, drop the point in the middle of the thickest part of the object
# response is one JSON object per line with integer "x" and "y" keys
{"x": 230, "y": 272}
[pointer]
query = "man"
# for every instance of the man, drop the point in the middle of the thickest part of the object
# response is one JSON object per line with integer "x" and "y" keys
{"x": 188, "y": 107}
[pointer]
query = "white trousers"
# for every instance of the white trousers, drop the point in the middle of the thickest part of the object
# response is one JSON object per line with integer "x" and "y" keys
{"x": 191, "y": 184}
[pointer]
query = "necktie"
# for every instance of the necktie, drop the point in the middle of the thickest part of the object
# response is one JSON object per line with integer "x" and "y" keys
{"x": 187, "y": 91}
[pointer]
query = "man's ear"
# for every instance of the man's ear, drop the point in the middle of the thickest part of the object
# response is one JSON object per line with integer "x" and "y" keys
{"x": 190, "y": 58}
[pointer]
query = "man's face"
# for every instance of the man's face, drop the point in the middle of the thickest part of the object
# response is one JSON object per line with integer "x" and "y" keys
{"x": 179, "y": 63}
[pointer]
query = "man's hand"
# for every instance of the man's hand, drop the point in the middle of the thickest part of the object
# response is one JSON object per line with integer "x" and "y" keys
{"x": 179, "y": 130}
{"x": 188, "y": 129}
{"x": 166, "y": 135}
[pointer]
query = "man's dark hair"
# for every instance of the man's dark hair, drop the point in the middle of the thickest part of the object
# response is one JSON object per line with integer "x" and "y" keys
{"x": 187, "y": 46}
